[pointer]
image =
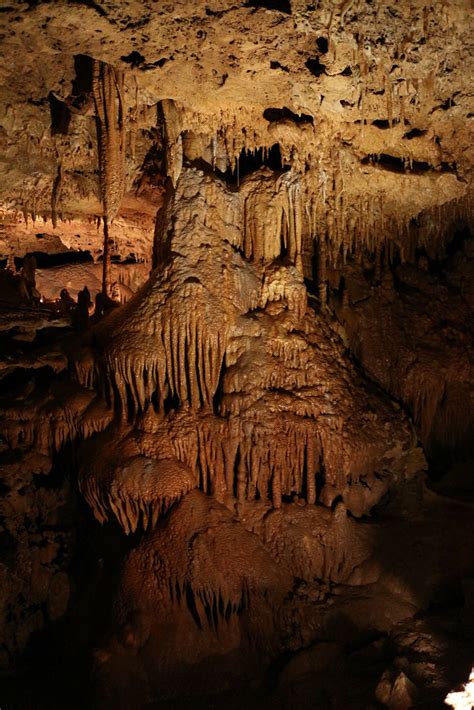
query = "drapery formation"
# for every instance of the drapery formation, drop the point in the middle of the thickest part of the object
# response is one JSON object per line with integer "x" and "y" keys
{"x": 220, "y": 360}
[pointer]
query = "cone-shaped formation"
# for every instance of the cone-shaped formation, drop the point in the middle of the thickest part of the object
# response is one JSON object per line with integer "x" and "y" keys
{"x": 186, "y": 318}
{"x": 230, "y": 371}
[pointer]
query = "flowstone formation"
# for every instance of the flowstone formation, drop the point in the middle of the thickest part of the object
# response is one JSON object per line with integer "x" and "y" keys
{"x": 224, "y": 379}
{"x": 224, "y": 366}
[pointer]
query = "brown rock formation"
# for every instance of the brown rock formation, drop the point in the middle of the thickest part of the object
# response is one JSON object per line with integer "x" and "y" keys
{"x": 237, "y": 472}
{"x": 267, "y": 399}
{"x": 415, "y": 323}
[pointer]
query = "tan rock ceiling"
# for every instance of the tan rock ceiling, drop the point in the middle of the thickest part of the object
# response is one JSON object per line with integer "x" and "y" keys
{"x": 381, "y": 91}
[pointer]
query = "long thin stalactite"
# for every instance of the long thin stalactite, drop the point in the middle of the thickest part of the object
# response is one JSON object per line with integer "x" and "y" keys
{"x": 108, "y": 92}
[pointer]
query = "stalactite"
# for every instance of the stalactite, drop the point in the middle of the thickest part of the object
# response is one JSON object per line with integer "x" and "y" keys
{"x": 108, "y": 91}
{"x": 322, "y": 266}
{"x": 56, "y": 194}
{"x": 173, "y": 139}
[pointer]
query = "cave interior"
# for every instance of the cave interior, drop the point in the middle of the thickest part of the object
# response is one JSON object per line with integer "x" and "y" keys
{"x": 236, "y": 355}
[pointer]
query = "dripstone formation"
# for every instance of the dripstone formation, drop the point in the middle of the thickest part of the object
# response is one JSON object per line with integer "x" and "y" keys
{"x": 237, "y": 372}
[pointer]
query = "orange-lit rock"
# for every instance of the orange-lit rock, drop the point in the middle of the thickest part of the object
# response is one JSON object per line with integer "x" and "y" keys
{"x": 236, "y": 372}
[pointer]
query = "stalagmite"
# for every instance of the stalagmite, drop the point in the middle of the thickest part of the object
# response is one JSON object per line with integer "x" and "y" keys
{"x": 273, "y": 450}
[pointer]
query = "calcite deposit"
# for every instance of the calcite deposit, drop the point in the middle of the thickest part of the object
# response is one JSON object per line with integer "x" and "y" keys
{"x": 263, "y": 399}
{"x": 236, "y": 310}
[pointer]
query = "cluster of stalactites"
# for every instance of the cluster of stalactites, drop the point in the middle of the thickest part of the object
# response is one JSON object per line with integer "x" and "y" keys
{"x": 342, "y": 222}
{"x": 272, "y": 217}
{"x": 183, "y": 361}
{"x": 338, "y": 228}
{"x": 226, "y": 135}
{"x": 131, "y": 513}
{"x": 441, "y": 409}
{"x": 210, "y": 605}
{"x": 228, "y": 459}
{"x": 248, "y": 461}
{"x": 136, "y": 490}
{"x": 63, "y": 426}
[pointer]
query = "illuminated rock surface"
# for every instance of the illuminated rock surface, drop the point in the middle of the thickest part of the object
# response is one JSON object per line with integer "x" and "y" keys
{"x": 236, "y": 368}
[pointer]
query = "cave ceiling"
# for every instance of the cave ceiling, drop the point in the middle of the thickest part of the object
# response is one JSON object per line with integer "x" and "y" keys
{"x": 370, "y": 103}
